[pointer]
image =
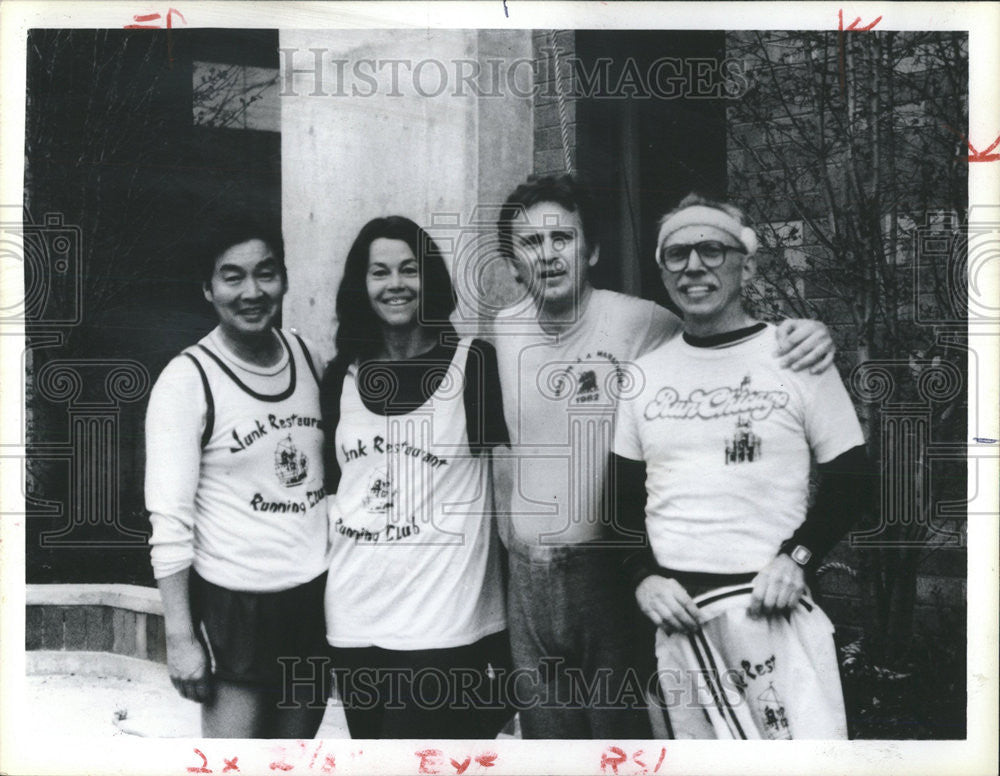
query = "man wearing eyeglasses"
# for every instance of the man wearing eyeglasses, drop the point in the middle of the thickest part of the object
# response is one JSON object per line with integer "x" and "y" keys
{"x": 562, "y": 350}
{"x": 712, "y": 463}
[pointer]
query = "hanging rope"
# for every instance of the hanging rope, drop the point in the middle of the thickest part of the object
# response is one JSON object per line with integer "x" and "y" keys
{"x": 561, "y": 100}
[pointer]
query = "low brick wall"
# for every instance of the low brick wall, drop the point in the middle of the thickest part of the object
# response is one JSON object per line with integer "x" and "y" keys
{"x": 940, "y": 596}
{"x": 120, "y": 619}
{"x": 128, "y": 619}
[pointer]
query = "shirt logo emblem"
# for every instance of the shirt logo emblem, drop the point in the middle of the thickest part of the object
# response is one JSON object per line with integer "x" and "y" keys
{"x": 772, "y": 709}
{"x": 586, "y": 387}
{"x": 290, "y": 465}
{"x": 745, "y": 446}
{"x": 379, "y": 496}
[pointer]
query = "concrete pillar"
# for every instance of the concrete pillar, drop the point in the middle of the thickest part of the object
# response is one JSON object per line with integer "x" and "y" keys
{"x": 382, "y": 122}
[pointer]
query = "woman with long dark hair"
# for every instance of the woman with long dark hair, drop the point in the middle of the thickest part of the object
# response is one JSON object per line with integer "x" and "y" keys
{"x": 412, "y": 412}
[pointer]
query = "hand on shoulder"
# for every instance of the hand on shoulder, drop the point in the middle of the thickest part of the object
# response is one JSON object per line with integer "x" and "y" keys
{"x": 804, "y": 344}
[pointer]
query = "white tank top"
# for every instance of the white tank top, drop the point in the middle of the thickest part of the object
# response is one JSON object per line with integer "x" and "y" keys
{"x": 414, "y": 558}
{"x": 261, "y": 508}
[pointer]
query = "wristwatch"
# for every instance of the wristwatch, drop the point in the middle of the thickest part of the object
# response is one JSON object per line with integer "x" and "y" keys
{"x": 801, "y": 555}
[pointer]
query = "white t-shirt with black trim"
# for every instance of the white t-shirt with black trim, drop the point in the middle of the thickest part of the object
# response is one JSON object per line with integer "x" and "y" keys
{"x": 559, "y": 397}
{"x": 245, "y": 506}
{"x": 726, "y": 435}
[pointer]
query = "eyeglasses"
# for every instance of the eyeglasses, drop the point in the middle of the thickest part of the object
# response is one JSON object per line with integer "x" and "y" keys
{"x": 675, "y": 258}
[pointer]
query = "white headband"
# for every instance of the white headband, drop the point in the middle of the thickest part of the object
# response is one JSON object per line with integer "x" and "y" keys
{"x": 702, "y": 215}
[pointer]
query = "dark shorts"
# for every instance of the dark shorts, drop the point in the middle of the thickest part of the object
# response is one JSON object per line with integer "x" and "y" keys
{"x": 268, "y": 640}
{"x": 458, "y": 692}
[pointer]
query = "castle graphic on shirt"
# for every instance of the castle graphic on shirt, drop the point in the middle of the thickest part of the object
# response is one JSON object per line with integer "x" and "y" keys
{"x": 772, "y": 709}
{"x": 379, "y": 495}
{"x": 745, "y": 445}
{"x": 290, "y": 464}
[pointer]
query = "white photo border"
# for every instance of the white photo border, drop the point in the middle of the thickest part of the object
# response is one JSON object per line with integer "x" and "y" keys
{"x": 62, "y": 755}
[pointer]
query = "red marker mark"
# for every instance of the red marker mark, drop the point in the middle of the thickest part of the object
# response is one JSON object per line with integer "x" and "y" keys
{"x": 315, "y": 755}
{"x": 618, "y": 758}
{"x": 460, "y": 767}
{"x": 203, "y": 768}
{"x": 282, "y": 766}
{"x": 231, "y": 764}
{"x": 487, "y": 759}
{"x": 426, "y": 764}
{"x": 663, "y": 753}
{"x": 328, "y": 763}
{"x": 854, "y": 25}
{"x": 140, "y": 20}
{"x": 974, "y": 155}
{"x": 149, "y": 17}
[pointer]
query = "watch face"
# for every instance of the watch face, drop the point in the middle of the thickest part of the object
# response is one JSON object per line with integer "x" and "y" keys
{"x": 801, "y": 555}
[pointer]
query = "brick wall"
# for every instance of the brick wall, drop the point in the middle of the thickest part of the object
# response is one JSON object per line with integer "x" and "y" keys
{"x": 762, "y": 156}
{"x": 549, "y": 158}
{"x": 121, "y": 619}
{"x": 940, "y": 595}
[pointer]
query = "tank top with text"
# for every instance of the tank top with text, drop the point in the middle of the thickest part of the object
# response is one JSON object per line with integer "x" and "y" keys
{"x": 414, "y": 557}
{"x": 261, "y": 509}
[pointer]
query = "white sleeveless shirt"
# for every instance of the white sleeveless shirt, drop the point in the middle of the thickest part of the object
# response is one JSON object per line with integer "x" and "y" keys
{"x": 414, "y": 558}
{"x": 259, "y": 512}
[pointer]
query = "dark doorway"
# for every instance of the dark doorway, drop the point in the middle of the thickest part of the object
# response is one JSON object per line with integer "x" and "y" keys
{"x": 134, "y": 140}
{"x": 650, "y": 129}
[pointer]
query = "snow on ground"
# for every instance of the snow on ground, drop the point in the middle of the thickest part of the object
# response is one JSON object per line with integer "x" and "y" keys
{"x": 106, "y": 706}
{"x": 98, "y": 706}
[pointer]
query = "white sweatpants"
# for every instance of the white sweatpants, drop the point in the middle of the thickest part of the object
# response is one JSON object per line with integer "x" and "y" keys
{"x": 744, "y": 678}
